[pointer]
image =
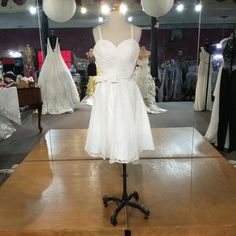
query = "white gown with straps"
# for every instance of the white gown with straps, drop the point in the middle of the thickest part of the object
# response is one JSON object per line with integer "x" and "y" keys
{"x": 58, "y": 90}
{"x": 119, "y": 127}
{"x": 201, "y": 88}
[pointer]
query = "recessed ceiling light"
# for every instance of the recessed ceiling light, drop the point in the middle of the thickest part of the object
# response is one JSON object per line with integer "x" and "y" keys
{"x": 198, "y": 7}
{"x": 180, "y": 7}
{"x": 123, "y": 8}
{"x": 83, "y": 10}
{"x": 105, "y": 9}
{"x": 32, "y": 10}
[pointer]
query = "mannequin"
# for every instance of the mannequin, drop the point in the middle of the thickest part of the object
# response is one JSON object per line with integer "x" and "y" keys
{"x": 52, "y": 39}
{"x": 111, "y": 33}
{"x": 119, "y": 128}
{"x": 28, "y": 59}
{"x": 146, "y": 83}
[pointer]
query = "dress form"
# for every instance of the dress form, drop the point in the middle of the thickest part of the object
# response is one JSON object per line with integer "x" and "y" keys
{"x": 52, "y": 40}
{"x": 116, "y": 30}
{"x": 118, "y": 121}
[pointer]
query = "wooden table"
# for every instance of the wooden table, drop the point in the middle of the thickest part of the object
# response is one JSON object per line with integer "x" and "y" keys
{"x": 31, "y": 97}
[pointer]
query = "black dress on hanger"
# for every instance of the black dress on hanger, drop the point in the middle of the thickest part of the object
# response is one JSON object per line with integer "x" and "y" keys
{"x": 227, "y": 109}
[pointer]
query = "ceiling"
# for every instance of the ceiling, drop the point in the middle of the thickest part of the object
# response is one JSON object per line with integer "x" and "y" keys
{"x": 214, "y": 14}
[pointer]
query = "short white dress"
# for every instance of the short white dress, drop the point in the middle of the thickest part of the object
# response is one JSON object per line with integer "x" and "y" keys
{"x": 119, "y": 127}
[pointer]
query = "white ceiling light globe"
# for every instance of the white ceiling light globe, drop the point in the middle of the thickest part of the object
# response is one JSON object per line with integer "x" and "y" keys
{"x": 59, "y": 10}
{"x": 157, "y": 8}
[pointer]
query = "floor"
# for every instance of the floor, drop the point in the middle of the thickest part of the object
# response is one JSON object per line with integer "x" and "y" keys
{"x": 187, "y": 185}
{"x": 14, "y": 149}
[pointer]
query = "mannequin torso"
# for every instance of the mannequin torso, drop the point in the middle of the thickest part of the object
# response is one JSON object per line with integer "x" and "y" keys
{"x": 116, "y": 30}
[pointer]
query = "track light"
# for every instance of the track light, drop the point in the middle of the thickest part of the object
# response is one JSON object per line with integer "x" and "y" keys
{"x": 123, "y": 8}
{"x": 130, "y": 18}
{"x": 100, "y": 19}
{"x": 198, "y": 7}
{"x": 105, "y": 9}
{"x": 83, "y": 10}
{"x": 180, "y": 7}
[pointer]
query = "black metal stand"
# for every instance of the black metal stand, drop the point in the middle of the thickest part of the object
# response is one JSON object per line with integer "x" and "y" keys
{"x": 125, "y": 200}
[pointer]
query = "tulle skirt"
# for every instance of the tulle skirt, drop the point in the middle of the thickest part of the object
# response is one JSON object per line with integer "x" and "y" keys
{"x": 119, "y": 127}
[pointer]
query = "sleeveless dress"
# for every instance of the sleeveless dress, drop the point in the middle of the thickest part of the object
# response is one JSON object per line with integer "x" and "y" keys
{"x": 58, "y": 90}
{"x": 200, "y": 94}
{"x": 119, "y": 127}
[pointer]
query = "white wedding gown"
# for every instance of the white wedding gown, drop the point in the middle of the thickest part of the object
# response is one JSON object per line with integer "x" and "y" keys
{"x": 147, "y": 86}
{"x": 58, "y": 90}
{"x": 212, "y": 131}
{"x": 200, "y": 95}
{"x": 119, "y": 127}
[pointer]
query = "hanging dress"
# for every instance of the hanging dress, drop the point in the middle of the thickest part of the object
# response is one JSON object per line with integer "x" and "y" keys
{"x": 58, "y": 90}
{"x": 200, "y": 94}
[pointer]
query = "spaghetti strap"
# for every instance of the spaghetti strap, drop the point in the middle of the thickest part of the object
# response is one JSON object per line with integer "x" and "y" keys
{"x": 100, "y": 32}
{"x": 132, "y": 32}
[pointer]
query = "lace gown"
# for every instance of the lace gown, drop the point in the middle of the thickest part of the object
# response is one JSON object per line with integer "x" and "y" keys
{"x": 58, "y": 90}
{"x": 119, "y": 128}
{"x": 147, "y": 86}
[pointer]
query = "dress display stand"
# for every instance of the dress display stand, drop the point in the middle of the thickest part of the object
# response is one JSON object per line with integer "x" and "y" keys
{"x": 125, "y": 200}
{"x": 119, "y": 127}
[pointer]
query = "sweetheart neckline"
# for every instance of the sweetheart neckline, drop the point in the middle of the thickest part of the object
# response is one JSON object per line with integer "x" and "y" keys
{"x": 106, "y": 40}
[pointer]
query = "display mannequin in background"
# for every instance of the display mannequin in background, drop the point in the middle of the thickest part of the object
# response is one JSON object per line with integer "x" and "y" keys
{"x": 53, "y": 39}
{"x": 146, "y": 83}
{"x": 91, "y": 74}
{"x": 28, "y": 60}
{"x": 119, "y": 128}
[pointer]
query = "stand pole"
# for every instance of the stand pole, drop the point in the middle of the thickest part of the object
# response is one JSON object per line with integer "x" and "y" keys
{"x": 125, "y": 200}
{"x": 124, "y": 181}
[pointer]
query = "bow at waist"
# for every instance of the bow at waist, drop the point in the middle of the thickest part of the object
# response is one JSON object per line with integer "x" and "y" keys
{"x": 111, "y": 78}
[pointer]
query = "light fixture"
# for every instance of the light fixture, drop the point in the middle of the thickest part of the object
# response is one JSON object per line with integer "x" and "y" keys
{"x": 218, "y": 57}
{"x": 218, "y": 46}
{"x": 180, "y": 7}
{"x": 83, "y": 10}
{"x": 15, "y": 54}
{"x": 105, "y": 9}
{"x": 32, "y": 10}
{"x": 123, "y": 8}
{"x": 100, "y": 19}
{"x": 130, "y": 18}
{"x": 198, "y": 7}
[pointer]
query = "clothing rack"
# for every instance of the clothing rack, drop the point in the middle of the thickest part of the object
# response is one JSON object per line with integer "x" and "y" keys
{"x": 125, "y": 200}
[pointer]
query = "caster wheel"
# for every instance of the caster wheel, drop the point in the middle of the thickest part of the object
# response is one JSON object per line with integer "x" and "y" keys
{"x": 114, "y": 221}
{"x": 136, "y": 196}
{"x": 147, "y": 214}
{"x": 105, "y": 202}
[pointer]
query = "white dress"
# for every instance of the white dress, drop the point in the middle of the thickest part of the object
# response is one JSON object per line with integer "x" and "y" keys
{"x": 200, "y": 95}
{"x": 58, "y": 90}
{"x": 119, "y": 127}
{"x": 212, "y": 131}
{"x": 147, "y": 86}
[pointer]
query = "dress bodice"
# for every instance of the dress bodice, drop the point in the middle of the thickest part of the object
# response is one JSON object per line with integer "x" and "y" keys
{"x": 116, "y": 62}
{"x": 204, "y": 56}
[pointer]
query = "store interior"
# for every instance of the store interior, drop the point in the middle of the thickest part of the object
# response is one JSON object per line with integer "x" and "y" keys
{"x": 182, "y": 181}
